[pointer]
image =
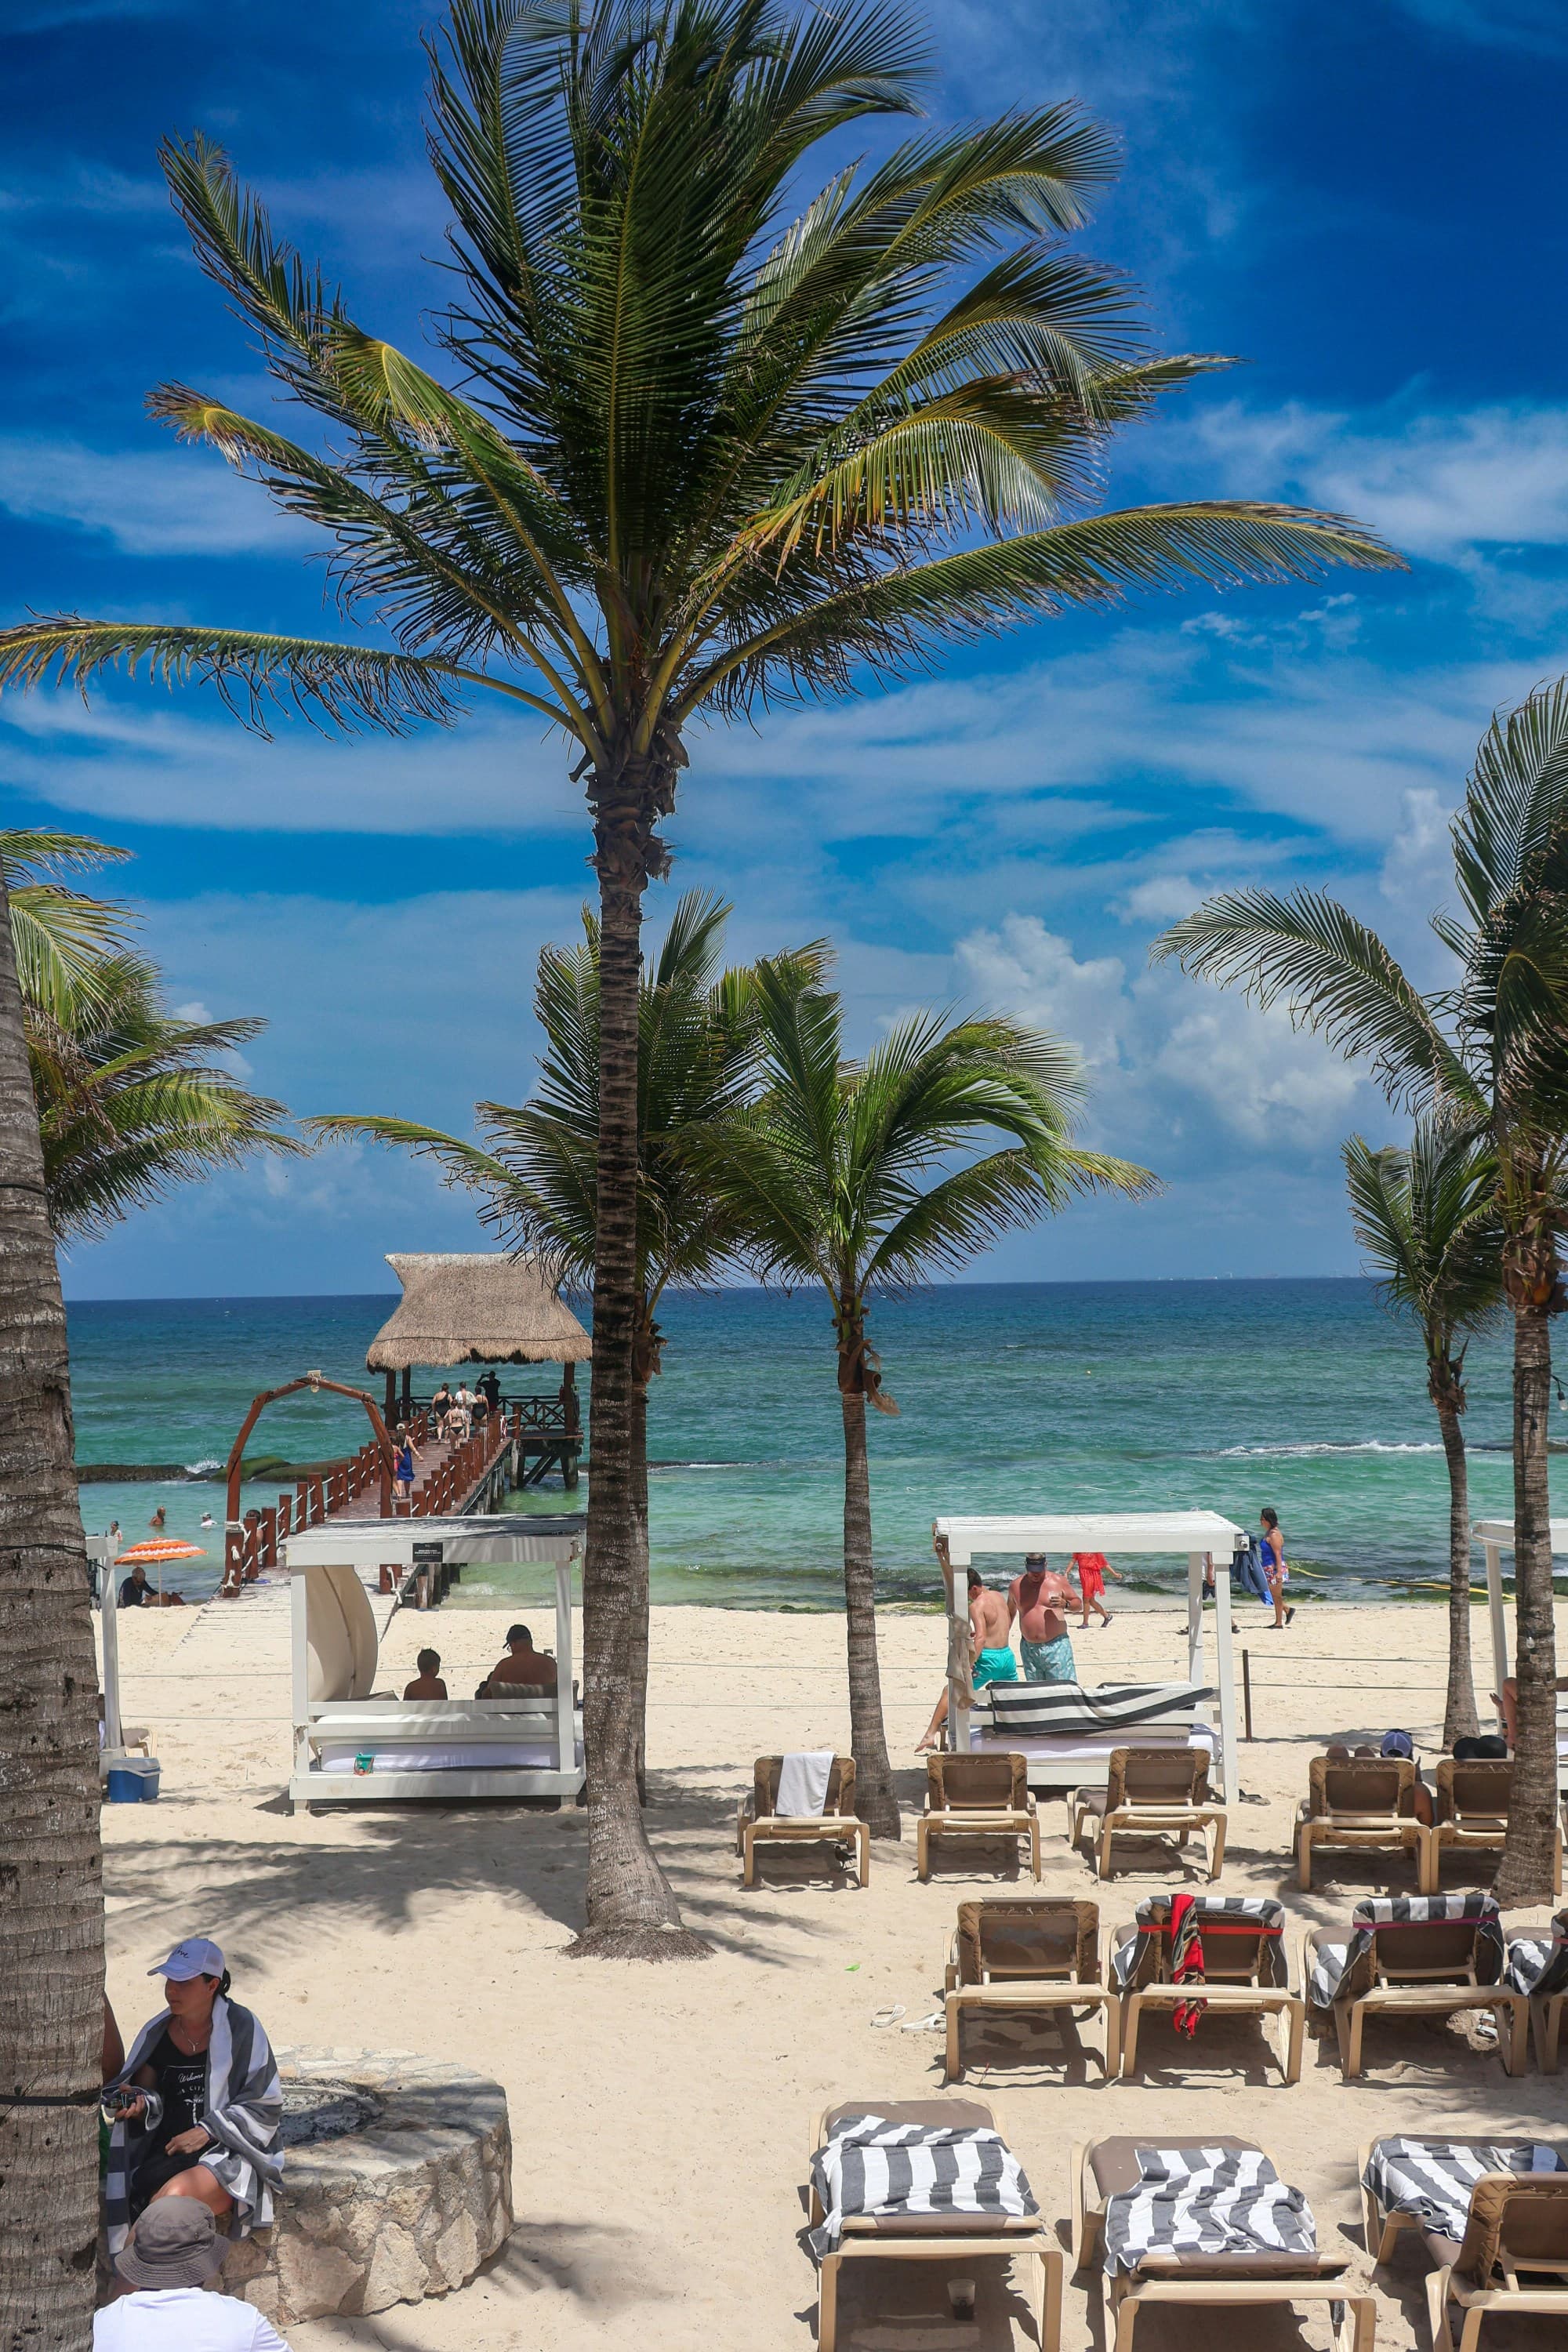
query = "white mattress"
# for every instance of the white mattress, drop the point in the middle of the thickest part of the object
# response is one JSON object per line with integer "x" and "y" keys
{"x": 490, "y": 1755}
{"x": 1092, "y": 1747}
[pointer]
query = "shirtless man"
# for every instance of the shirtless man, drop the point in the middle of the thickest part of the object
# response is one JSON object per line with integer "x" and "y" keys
{"x": 1038, "y": 1599}
{"x": 522, "y": 1668}
{"x": 428, "y": 1682}
{"x": 990, "y": 1656}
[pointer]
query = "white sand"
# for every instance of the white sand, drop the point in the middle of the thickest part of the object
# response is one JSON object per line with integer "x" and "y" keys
{"x": 660, "y": 2116}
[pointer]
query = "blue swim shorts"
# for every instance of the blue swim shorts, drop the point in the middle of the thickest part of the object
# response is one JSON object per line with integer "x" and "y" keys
{"x": 1049, "y": 1661}
{"x": 994, "y": 1666}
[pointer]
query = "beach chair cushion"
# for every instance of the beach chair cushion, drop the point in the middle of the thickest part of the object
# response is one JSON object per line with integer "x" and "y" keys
{"x": 1039, "y": 1936}
{"x": 1389, "y": 1932}
{"x": 1461, "y": 2192}
{"x": 1244, "y": 1941}
{"x": 840, "y": 1799}
{"x": 1151, "y": 1776}
{"x": 931, "y": 2176}
{"x": 1471, "y": 1793}
{"x": 1365, "y": 1784}
{"x": 1538, "y": 1965}
{"x": 996, "y": 1782}
{"x": 1210, "y": 2209}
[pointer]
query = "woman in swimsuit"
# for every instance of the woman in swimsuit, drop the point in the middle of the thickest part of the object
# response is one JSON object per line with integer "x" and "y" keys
{"x": 1274, "y": 1567}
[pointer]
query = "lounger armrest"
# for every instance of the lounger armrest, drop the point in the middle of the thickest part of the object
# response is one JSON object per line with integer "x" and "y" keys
{"x": 1247, "y": 2265}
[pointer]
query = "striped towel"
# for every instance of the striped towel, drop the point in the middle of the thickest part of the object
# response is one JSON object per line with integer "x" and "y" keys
{"x": 1066, "y": 1710}
{"x": 870, "y": 2166}
{"x": 1210, "y": 1915}
{"x": 1432, "y": 2179}
{"x": 1335, "y": 1964}
{"x": 1538, "y": 1964}
{"x": 1207, "y": 2200}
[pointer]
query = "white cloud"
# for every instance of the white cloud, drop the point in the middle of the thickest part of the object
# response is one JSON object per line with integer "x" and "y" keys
{"x": 1272, "y": 1086}
{"x": 1026, "y": 969}
{"x": 148, "y": 501}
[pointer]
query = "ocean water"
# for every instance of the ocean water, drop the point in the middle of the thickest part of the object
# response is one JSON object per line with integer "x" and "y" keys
{"x": 1014, "y": 1397}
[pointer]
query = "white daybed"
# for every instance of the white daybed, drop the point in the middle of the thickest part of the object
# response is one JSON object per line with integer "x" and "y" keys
{"x": 1496, "y": 1537}
{"x": 1057, "y": 1762}
{"x": 353, "y": 1749}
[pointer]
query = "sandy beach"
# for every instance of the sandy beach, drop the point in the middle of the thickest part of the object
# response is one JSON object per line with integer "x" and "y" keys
{"x": 660, "y": 2116}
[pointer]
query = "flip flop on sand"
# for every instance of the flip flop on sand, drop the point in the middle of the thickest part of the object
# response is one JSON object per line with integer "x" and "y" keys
{"x": 888, "y": 2016}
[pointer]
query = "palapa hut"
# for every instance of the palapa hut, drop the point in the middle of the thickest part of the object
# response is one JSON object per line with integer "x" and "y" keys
{"x": 460, "y": 1308}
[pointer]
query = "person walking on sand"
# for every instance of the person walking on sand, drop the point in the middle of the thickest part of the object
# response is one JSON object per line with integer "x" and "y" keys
{"x": 1038, "y": 1599}
{"x": 1275, "y": 1573}
{"x": 1091, "y": 1569}
{"x": 991, "y": 1658}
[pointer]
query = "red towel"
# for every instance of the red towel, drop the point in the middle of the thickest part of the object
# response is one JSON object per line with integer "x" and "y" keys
{"x": 1186, "y": 1962}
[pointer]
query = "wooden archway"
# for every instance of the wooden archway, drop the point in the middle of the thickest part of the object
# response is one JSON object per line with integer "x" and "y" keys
{"x": 269, "y": 1396}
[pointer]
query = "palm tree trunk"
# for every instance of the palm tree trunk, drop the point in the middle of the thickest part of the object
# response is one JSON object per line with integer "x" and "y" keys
{"x": 1459, "y": 1719}
{"x": 874, "y": 1799}
{"x": 631, "y": 1911}
{"x": 1525, "y": 1872}
{"x": 51, "y": 1865}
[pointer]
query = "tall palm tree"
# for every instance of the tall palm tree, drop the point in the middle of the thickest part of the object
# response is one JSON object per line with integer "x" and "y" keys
{"x": 717, "y": 441}
{"x": 131, "y": 1100}
{"x": 1427, "y": 1221}
{"x": 840, "y": 1174}
{"x": 1490, "y": 1051}
{"x": 52, "y": 1879}
{"x": 537, "y": 1172}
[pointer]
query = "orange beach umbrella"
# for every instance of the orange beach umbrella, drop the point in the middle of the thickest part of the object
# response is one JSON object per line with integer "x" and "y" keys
{"x": 160, "y": 1549}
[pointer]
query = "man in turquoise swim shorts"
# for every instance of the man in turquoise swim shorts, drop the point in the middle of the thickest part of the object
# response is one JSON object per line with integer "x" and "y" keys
{"x": 1038, "y": 1599}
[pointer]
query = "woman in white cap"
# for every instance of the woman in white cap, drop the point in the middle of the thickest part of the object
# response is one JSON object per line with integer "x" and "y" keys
{"x": 173, "y": 2251}
{"x": 204, "y": 2104}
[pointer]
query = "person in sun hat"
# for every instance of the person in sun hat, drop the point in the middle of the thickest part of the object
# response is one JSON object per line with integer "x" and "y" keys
{"x": 163, "y": 2270}
{"x": 195, "y": 2107}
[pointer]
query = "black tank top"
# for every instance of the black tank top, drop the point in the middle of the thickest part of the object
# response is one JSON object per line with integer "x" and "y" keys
{"x": 183, "y": 2084}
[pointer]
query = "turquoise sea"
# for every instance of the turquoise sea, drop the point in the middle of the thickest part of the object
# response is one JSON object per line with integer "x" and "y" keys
{"x": 1101, "y": 1395}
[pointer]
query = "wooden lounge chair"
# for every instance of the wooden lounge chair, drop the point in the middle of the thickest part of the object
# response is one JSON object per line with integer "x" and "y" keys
{"x": 1517, "y": 2221}
{"x": 1227, "y": 2282}
{"x": 1246, "y": 1969}
{"x": 1031, "y": 1953}
{"x": 1367, "y": 1804}
{"x": 1470, "y": 1808}
{"x": 977, "y": 1797}
{"x": 954, "y": 2239}
{"x": 1151, "y": 1792}
{"x": 756, "y": 1823}
{"x": 1429, "y": 1955}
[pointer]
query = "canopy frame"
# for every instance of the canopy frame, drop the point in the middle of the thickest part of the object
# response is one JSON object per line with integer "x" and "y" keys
{"x": 1496, "y": 1537}
{"x": 1198, "y": 1534}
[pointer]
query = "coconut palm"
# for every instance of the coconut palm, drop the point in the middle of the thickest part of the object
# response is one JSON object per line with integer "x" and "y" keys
{"x": 131, "y": 1101}
{"x": 718, "y": 440}
{"x": 1427, "y": 1221}
{"x": 51, "y": 1916}
{"x": 841, "y": 1174}
{"x": 1489, "y": 1052}
{"x": 537, "y": 1170}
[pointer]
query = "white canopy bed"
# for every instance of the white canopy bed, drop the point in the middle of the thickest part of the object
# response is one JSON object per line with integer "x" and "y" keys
{"x": 1060, "y": 1762}
{"x": 352, "y": 1746}
{"x": 1496, "y": 1537}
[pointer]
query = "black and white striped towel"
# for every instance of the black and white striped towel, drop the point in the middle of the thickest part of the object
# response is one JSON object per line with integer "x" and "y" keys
{"x": 1207, "y": 2200}
{"x": 1333, "y": 1964}
{"x": 1538, "y": 1964}
{"x": 872, "y": 2167}
{"x": 1432, "y": 2179}
{"x": 1213, "y": 1912}
{"x": 1067, "y": 1711}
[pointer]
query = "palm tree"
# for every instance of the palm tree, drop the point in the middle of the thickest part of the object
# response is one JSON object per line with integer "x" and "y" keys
{"x": 833, "y": 1175}
{"x": 1489, "y": 1052}
{"x": 697, "y": 1060}
{"x": 51, "y": 1911}
{"x": 719, "y": 441}
{"x": 130, "y": 1101}
{"x": 1426, "y": 1219}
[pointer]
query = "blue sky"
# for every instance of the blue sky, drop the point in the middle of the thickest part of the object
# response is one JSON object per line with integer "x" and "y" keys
{"x": 1360, "y": 198}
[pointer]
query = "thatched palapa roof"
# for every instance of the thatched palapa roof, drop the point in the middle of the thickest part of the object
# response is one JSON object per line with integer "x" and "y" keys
{"x": 463, "y": 1307}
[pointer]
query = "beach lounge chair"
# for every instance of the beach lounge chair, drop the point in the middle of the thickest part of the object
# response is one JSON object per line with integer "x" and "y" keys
{"x": 1366, "y": 1804}
{"x": 976, "y": 1796}
{"x": 1151, "y": 1792}
{"x": 949, "y": 2150}
{"x": 1244, "y": 1968}
{"x": 1032, "y": 1953}
{"x": 758, "y": 1821}
{"x": 1410, "y": 1956}
{"x": 1257, "y": 2240}
{"x": 1486, "y": 2212}
{"x": 1538, "y": 1968}
{"x": 1470, "y": 1808}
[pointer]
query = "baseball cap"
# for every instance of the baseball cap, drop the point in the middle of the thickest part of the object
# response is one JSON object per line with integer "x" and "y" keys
{"x": 1398, "y": 1743}
{"x": 175, "y": 2244}
{"x": 197, "y": 1956}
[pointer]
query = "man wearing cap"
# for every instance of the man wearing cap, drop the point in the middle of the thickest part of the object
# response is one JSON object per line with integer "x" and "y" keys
{"x": 522, "y": 1668}
{"x": 173, "y": 2251}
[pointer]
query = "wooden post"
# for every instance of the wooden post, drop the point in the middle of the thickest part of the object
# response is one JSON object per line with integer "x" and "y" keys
{"x": 1246, "y": 1691}
{"x": 407, "y": 1390}
{"x": 570, "y": 1411}
{"x": 389, "y": 1411}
